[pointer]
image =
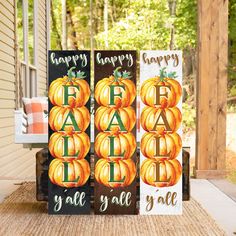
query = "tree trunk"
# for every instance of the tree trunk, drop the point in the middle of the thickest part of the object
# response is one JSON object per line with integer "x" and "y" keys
{"x": 72, "y": 39}
{"x": 54, "y": 28}
{"x": 106, "y": 22}
{"x": 63, "y": 18}
{"x": 172, "y": 9}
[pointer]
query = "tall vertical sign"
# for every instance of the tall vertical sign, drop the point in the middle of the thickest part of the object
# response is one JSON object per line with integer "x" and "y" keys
{"x": 161, "y": 144}
{"x": 69, "y": 132}
{"x": 115, "y": 135}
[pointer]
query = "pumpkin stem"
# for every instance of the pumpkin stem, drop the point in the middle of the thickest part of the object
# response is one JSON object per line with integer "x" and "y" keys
{"x": 163, "y": 74}
{"x": 117, "y": 73}
{"x": 71, "y": 73}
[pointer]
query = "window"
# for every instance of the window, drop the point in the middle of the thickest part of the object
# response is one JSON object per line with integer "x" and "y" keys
{"x": 27, "y": 41}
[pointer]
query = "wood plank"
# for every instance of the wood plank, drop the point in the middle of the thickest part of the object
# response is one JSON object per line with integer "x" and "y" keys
{"x": 222, "y": 85}
{"x": 42, "y": 55}
{"x": 9, "y": 149}
{"x": 5, "y": 20}
{"x": 42, "y": 41}
{"x": 19, "y": 164}
{"x": 9, "y": 6}
{"x": 6, "y": 67}
{"x": 17, "y": 156}
{"x": 7, "y": 104}
{"x": 212, "y": 86}
{"x": 7, "y": 30}
{"x": 42, "y": 5}
{"x": 7, "y": 58}
{"x": 6, "y": 48}
{"x": 7, "y": 130}
{"x": 7, "y": 76}
{"x": 29, "y": 172}
{"x": 7, "y": 40}
{"x": 10, "y": 54}
{"x": 7, "y": 85}
{"x": 212, "y": 80}
{"x": 5, "y": 113}
{"x": 11, "y": 2}
{"x": 203, "y": 85}
{"x": 7, "y": 122}
{"x": 4, "y": 94}
{"x": 9, "y": 13}
{"x": 6, "y": 140}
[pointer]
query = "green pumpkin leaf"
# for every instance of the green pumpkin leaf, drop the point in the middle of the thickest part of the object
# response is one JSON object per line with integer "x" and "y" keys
{"x": 126, "y": 75}
{"x": 80, "y": 74}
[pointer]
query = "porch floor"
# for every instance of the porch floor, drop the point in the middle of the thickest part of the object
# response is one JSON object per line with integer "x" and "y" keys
{"x": 221, "y": 206}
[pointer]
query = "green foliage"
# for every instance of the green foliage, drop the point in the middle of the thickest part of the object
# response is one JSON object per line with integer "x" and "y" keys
{"x": 232, "y": 48}
{"x": 20, "y": 32}
{"x": 189, "y": 117}
{"x": 186, "y": 24}
{"x": 232, "y": 176}
{"x": 143, "y": 27}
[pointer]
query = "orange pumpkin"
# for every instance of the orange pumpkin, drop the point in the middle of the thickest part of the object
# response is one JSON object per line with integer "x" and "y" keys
{"x": 78, "y": 86}
{"x": 58, "y": 116}
{"x": 104, "y": 116}
{"x": 169, "y": 172}
{"x": 122, "y": 169}
{"x": 169, "y": 86}
{"x": 127, "y": 91}
{"x": 124, "y": 143}
{"x": 169, "y": 145}
{"x": 77, "y": 143}
{"x": 75, "y": 168}
{"x": 150, "y": 115}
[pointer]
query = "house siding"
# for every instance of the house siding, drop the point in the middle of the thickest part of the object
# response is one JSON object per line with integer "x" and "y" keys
{"x": 16, "y": 161}
{"x": 42, "y": 49}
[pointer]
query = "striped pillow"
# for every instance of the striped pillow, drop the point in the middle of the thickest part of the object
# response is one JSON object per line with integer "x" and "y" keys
{"x": 36, "y": 109}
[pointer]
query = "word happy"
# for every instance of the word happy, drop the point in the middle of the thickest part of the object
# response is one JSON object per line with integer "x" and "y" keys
{"x": 70, "y": 60}
{"x": 114, "y": 60}
{"x": 162, "y": 60}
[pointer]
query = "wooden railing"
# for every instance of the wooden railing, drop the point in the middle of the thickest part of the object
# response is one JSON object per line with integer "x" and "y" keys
{"x": 28, "y": 77}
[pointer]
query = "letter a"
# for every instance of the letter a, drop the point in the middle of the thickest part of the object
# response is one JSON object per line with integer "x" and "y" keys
{"x": 118, "y": 123}
{"x": 165, "y": 122}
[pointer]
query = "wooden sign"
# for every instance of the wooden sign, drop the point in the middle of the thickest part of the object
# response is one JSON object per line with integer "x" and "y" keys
{"x": 160, "y": 133}
{"x": 115, "y": 132}
{"x": 69, "y": 132}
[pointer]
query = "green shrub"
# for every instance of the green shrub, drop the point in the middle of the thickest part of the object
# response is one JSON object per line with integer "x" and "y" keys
{"x": 189, "y": 117}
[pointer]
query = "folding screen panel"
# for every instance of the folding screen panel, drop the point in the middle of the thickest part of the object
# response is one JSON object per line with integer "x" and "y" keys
{"x": 69, "y": 132}
{"x": 160, "y": 133}
{"x": 115, "y": 132}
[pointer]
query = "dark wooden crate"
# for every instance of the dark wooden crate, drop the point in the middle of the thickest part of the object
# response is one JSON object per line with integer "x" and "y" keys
{"x": 42, "y": 163}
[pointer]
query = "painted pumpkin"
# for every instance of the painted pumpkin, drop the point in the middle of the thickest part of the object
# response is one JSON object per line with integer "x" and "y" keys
{"x": 169, "y": 145}
{"x": 76, "y": 169}
{"x": 76, "y": 145}
{"x": 123, "y": 143}
{"x": 119, "y": 85}
{"x": 123, "y": 170}
{"x": 77, "y": 87}
{"x": 59, "y": 115}
{"x": 169, "y": 172}
{"x": 105, "y": 115}
{"x": 168, "y": 85}
{"x": 161, "y": 120}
